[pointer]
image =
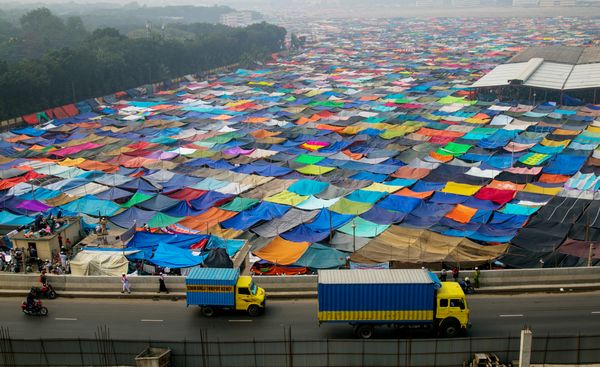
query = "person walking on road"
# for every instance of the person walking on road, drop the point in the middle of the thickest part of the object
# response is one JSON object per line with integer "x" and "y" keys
{"x": 476, "y": 277}
{"x": 161, "y": 283}
{"x": 125, "y": 282}
{"x": 455, "y": 273}
{"x": 443, "y": 275}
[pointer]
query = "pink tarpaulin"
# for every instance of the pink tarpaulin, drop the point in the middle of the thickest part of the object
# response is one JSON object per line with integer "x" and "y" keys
{"x": 75, "y": 149}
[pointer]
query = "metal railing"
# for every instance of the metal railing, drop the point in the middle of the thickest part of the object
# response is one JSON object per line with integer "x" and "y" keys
{"x": 288, "y": 352}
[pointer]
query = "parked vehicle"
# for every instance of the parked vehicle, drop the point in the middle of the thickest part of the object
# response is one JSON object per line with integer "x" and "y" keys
{"x": 486, "y": 360}
{"x": 46, "y": 291}
{"x": 365, "y": 298}
{"x": 37, "y": 309}
{"x": 224, "y": 289}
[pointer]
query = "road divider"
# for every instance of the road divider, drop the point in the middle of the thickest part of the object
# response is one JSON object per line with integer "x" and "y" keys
{"x": 298, "y": 286}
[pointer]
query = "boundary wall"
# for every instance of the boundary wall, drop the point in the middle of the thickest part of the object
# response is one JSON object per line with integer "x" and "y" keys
{"x": 298, "y": 286}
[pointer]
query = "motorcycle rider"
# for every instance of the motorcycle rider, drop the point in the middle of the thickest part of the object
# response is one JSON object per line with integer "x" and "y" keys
{"x": 31, "y": 298}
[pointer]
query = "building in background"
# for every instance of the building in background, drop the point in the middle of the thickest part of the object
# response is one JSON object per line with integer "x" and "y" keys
{"x": 237, "y": 19}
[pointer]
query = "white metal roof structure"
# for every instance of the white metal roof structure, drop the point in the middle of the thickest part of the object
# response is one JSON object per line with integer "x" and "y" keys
{"x": 501, "y": 75}
{"x": 549, "y": 75}
{"x": 569, "y": 68}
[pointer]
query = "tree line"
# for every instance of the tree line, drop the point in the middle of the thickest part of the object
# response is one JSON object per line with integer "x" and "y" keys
{"x": 76, "y": 64}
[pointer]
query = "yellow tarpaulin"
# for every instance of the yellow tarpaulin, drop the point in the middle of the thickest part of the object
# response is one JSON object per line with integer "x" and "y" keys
{"x": 345, "y": 206}
{"x": 312, "y": 169}
{"x": 460, "y": 189}
{"x": 541, "y": 190}
{"x": 287, "y": 198}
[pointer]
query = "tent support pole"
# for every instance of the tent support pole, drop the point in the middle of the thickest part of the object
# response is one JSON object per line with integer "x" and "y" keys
{"x": 595, "y": 89}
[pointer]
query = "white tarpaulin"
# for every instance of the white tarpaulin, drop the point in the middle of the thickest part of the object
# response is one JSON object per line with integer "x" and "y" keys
{"x": 89, "y": 262}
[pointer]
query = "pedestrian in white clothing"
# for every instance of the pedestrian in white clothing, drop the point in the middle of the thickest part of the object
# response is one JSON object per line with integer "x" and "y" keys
{"x": 125, "y": 282}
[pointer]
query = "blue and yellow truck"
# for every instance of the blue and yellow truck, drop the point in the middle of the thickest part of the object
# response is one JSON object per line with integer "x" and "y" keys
{"x": 223, "y": 289}
{"x": 365, "y": 298}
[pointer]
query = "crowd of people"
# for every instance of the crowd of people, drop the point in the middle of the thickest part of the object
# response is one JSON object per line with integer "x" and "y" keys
{"x": 43, "y": 225}
{"x": 16, "y": 260}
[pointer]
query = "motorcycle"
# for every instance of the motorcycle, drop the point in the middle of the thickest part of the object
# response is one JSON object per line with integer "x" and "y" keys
{"x": 46, "y": 291}
{"x": 467, "y": 287}
{"x": 36, "y": 310}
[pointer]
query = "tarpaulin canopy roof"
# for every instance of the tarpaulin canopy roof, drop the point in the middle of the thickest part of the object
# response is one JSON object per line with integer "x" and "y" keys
{"x": 419, "y": 246}
{"x": 358, "y": 135}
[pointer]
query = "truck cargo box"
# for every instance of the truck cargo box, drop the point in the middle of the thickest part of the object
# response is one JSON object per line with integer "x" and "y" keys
{"x": 211, "y": 286}
{"x": 365, "y": 295}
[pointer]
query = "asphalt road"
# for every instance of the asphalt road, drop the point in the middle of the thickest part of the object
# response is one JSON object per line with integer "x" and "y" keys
{"x": 557, "y": 314}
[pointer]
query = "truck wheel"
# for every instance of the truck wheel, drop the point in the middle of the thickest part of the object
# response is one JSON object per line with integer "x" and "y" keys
{"x": 208, "y": 311}
{"x": 253, "y": 310}
{"x": 364, "y": 331}
{"x": 450, "y": 328}
{"x": 51, "y": 294}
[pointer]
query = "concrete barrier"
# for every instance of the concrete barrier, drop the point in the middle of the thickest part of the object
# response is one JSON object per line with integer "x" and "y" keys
{"x": 492, "y": 281}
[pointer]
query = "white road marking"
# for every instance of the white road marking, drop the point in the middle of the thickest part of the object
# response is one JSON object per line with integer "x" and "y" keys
{"x": 64, "y": 319}
{"x": 516, "y": 315}
{"x": 145, "y": 320}
{"x": 595, "y": 312}
{"x": 240, "y": 320}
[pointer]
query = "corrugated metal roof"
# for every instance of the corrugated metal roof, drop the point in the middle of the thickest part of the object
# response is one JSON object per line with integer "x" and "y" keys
{"x": 589, "y": 55}
{"x": 584, "y": 76}
{"x": 501, "y": 75}
{"x": 371, "y": 276}
{"x": 559, "y": 54}
{"x": 549, "y": 75}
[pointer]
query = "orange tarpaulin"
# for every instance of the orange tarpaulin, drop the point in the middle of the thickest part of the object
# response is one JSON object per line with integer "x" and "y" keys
{"x": 461, "y": 213}
{"x": 410, "y": 172}
{"x": 408, "y": 192}
{"x": 552, "y": 178}
{"x": 330, "y": 127}
{"x": 282, "y": 252}
{"x": 99, "y": 166}
{"x": 209, "y": 218}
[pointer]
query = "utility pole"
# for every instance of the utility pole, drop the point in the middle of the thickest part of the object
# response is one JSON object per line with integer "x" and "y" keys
{"x": 525, "y": 347}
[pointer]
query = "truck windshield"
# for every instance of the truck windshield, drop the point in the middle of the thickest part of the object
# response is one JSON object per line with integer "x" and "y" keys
{"x": 253, "y": 288}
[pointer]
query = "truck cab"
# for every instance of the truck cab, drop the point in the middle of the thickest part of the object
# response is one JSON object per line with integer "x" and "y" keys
{"x": 249, "y": 297}
{"x": 451, "y": 311}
